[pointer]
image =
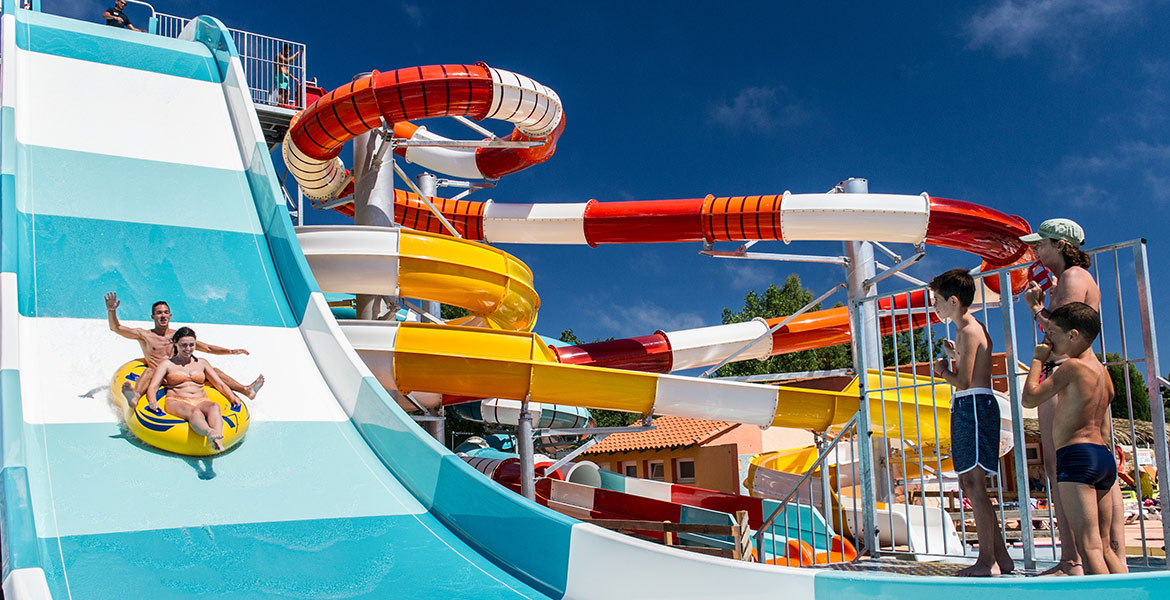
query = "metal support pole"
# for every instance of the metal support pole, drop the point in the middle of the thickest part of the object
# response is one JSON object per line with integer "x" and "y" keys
{"x": 373, "y": 201}
{"x": 866, "y": 353}
{"x": 438, "y": 427}
{"x": 428, "y": 184}
{"x": 1157, "y": 406}
{"x": 300, "y": 206}
{"x": 564, "y": 460}
{"x": 826, "y": 485}
{"x": 1019, "y": 454}
{"x": 524, "y": 446}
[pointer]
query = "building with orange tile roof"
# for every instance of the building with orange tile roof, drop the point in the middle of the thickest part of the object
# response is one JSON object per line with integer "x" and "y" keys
{"x": 692, "y": 452}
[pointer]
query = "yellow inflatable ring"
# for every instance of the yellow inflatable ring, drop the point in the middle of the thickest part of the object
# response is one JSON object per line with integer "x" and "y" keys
{"x": 168, "y": 432}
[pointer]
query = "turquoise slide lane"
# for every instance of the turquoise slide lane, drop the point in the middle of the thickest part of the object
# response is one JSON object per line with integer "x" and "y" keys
{"x": 125, "y": 169}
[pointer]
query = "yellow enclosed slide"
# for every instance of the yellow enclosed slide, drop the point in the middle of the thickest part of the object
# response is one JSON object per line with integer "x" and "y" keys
{"x": 468, "y": 361}
{"x": 508, "y": 361}
{"x": 489, "y": 283}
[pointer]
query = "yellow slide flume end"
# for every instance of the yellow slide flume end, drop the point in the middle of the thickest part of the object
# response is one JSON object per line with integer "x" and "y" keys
{"x": 484, "y": 280}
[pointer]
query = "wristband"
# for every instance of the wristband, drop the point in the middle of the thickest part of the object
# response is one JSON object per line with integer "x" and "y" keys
{"x": 1037, "y": 313}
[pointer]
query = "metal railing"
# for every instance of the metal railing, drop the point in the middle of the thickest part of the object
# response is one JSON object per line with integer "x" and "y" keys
{"x": 772, "y": 533}
{"x": 260, "y": 57}
{"x": 259, "y": 54}
{"x": 902, "y": 462}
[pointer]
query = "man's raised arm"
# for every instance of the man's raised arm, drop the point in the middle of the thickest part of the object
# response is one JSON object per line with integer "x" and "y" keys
{"x": 116, "y": 326}
{"x": 210, "y": 349}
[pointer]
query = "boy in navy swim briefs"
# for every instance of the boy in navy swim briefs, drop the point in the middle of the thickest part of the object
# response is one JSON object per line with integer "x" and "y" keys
{"x": 974, "y": 414}
{"x": 1085, "y": 468}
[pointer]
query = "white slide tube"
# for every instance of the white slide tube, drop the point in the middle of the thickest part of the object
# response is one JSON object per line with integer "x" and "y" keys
{"x": 534, "y": 223}
{"x": 706, "y": 346}
{"x": 456, "y": 162}
{"x": 355, "y": 259}
{"x": 875, "y": 217}
{"x": 534, "y": 108}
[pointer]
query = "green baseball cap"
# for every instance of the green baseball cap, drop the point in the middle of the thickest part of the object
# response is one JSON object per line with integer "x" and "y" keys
{"x": 1057, "y": 229}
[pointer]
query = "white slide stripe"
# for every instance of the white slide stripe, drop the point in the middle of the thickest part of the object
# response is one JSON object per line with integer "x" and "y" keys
{"x": 27, "y": 584}
{"x": 593, "y": 551}
{"x": 8, "y": 73}
{"x": 9, "y": 323}
{"x": 707, "y": 346}
{"x": 534, "y": 108}
{"x": 456, "y": 162}
{"x": 648, "y": 489}
{"x": 484, "y": 465}
{"x": 858, "y": 217}
{"x": 584, "y": 472}
{"x": 336, "y": 360}
{"x": 105, "y": 109}
{"x": 352, "y": 259}
{"x": 573, "y": 494}
{"x": 506, "y": 412}
{"x": 239, "y": 101}
{"x": 320, "y": 180}
{"x": 374, "y": 344}
{"x": 737, "y": 402}
{"x": 78, "y": 390}
{"x": 534, "y": 223}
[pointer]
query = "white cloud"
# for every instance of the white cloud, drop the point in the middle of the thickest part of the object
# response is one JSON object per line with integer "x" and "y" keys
{"x": 1133, "y": 160}
{"x": 1133, "y": 154}
{"x": 413, "y": 12}
{"x": 644, "y": 318}
{"x": 760, "y": 108}
{"x": 1159, "y": 184}
{"x": 1014, "y": 27}
{"x": 745, "y": 275}
{"x": 1152, "y": 103}
{"x": 1082, "y": 196}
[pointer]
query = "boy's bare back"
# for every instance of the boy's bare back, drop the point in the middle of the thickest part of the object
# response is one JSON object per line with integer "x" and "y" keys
{"x": 971, "y": 339}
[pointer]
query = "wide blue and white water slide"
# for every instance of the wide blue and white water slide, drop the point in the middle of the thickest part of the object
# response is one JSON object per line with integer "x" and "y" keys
{"x": 135, "y": 163}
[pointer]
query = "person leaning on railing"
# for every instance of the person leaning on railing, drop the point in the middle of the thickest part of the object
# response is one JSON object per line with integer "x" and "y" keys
{"x": 116, "y": 18}
{"x": 284, "y": 78}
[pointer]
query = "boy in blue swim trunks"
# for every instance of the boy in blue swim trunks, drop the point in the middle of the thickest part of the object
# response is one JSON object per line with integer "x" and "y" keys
{"x": 1085, "y": 467}
{"x": 974, "y": 415}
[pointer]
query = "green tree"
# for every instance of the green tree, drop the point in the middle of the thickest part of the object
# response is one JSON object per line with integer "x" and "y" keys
{"x": 1137, "y": 386}
{"x": 779, "y": 302}
{"x": 447, "y": 311}
{"x": 921, "y": 346}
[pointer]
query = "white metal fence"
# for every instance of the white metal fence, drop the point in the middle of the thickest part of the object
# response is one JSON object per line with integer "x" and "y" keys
{"x": 921, "y": 499}
{"x": 259, "y": 55}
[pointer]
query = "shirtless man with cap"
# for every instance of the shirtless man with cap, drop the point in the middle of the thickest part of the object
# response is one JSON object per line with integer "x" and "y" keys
{"x": 1057, "y": 243}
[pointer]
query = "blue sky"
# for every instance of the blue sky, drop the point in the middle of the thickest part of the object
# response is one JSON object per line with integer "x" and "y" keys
{"x": 1041, "y": 109}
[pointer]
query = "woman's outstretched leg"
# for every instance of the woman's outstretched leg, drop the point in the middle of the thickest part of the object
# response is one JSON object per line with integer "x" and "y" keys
{"x": 214, "y": 419}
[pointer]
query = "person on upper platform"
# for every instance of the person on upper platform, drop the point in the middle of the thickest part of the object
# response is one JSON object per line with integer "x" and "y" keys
{"x": 116, "y": 18}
